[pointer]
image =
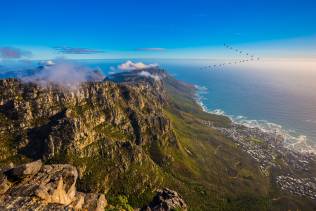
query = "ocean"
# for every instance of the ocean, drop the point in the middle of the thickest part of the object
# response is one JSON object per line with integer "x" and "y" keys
{"x": 277, "y": 96}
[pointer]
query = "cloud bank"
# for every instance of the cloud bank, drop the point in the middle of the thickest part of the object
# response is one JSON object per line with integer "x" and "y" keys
{"x": 71, "y": 50}
{"x": 13, "y": 53}
{"x": 64, "y": 74}
{"x": 129, "y": 65}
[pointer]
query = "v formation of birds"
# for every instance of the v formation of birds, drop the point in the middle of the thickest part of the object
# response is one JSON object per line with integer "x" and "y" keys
{"x": 249, "y": 57}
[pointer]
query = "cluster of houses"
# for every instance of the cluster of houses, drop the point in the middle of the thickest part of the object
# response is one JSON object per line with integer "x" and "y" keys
{"x": 298, "y": 186}
{"x": 269, "y": 151}
{"x": 257, "y": 144}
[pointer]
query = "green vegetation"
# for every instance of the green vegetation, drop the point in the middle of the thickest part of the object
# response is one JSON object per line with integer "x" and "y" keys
{"x": 112, "y": 132}
{"x": 8, "y": 144}
{"x": 118, "y": 203}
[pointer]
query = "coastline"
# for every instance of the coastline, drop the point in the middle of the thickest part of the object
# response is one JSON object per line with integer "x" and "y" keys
{"x": 297, "y": 143}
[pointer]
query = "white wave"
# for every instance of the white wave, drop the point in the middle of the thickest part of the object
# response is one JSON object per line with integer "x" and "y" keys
{"x": 200, "y": 102}
{"x": 239, "y": 117}
{"x": 199, "y": 96}
{"x": 201, "y": 89}
{"x": 218, "y": 112}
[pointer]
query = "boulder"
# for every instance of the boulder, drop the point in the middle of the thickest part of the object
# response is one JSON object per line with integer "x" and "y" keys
{"x": 166, "y": 200}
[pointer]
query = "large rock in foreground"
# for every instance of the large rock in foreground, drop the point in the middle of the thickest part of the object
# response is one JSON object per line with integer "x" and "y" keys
{"x": 166, "y": 200}
{"x": 34, "y": 186}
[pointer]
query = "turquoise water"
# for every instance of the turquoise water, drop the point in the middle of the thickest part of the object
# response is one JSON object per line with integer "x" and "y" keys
{"x": 275, "y": 96}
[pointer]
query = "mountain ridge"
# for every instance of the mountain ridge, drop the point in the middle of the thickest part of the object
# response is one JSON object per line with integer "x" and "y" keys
{"x": 133, "y": 133}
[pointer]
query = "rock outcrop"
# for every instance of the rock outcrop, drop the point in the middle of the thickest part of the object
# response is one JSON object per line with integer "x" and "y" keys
{"x": 34, "y": 186}
{"x": 166, "y": 200}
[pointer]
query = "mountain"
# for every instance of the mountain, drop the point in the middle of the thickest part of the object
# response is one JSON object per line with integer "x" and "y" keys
{"x": 140, "y": 131}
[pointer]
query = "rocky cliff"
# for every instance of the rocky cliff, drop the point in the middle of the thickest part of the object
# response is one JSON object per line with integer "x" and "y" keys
{"x": 126, "y": 137}
{"x": 101, "y": 126}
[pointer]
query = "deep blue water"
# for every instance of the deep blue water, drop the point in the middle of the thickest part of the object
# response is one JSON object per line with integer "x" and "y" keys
{"x": 274, "y": 96}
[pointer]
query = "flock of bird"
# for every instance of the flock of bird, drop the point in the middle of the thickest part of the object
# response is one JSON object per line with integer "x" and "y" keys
{"x": 249, "y": 57}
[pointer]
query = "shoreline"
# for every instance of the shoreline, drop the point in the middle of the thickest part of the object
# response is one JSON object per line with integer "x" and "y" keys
{"x": 297, "y": 144}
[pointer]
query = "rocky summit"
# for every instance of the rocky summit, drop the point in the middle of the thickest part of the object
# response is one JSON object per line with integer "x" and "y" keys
{"x": 137, "y": 140}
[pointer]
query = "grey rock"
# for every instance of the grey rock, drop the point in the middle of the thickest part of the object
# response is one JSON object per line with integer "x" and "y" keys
{"x": 166, "y": 200}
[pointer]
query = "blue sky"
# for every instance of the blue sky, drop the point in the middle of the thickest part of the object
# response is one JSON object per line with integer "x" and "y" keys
{"x": 157, "y": 28}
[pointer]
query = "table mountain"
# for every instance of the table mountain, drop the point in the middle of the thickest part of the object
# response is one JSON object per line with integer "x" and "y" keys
{"x": 132, "y": 134}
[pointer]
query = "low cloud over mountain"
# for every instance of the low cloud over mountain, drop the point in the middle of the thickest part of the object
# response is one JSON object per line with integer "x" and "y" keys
{"x": 129, "y": 65}
{"x": 149, "y": 75}
{"x": 64, "y": 74}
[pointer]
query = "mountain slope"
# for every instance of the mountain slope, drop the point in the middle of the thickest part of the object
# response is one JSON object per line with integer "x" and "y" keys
{"x": 134, "y": 133}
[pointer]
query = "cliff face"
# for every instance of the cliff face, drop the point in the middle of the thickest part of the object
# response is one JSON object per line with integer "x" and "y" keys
{"x": 103, "y": 128}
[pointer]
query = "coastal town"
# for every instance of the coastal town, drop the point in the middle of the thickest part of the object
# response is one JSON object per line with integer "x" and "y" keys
{"x": 269, "y": 151}
{"x": 298, "y": 186}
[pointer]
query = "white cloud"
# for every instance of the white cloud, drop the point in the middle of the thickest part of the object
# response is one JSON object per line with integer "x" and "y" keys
{"x": 129, "y": 65}
{"x": 64, "y": 74}
{"x": 149, "y": 75}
